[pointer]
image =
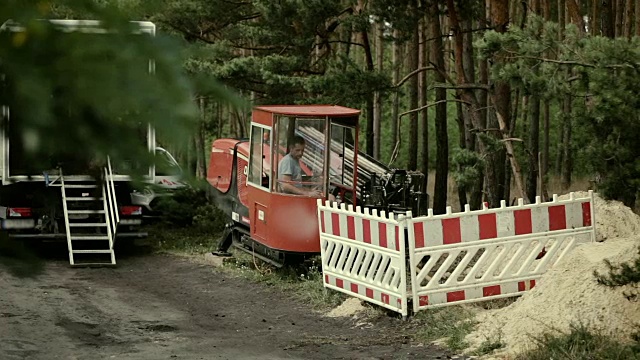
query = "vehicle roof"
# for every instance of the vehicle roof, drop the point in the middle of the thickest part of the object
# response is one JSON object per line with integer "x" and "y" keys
{"x": 310, "y": 110}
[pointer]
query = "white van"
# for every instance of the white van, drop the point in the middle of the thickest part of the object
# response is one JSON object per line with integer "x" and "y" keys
{"x": 169, "y": 177}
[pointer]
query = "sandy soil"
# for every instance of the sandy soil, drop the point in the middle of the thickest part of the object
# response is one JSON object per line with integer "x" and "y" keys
{"x": 165, "y": 307}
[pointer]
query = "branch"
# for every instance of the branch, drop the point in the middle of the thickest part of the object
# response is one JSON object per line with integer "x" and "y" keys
{"x": 414, "y": 72}
{"x": 446, "y": 36}
{"x": 574, "y": 63}
{"x": 511, "y": 139}
{"x": 432, "y": 104}
{"x": 443, "y": 73}
{"x": 468, "y": 86}
{"x": 342, "y": 42}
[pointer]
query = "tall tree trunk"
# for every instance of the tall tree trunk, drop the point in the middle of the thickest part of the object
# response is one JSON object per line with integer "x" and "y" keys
{"x": 567, "y": 157}
{"x": 462, "y": 190}
{"x": 545, "y": 150}
{"x": 201, "y": 166}
{"x": 477, "y": 192}
{"x": 575, "y": 15}
{"x": 368, "y": 59}
{"x": 424, "y": 119}
{"x": 628, "y": 20}
{"x": 618, "y": 12}
{"x": 534, "y": 147}
{"x": 608, "y": 18}
{"x": 497, "y": 182}
{"x": 637, "y": 19}
{"x": 467, "y": 138}
{"x": 442, "y": 137}
{"x": 396, "y": 59}
{"x": 414, "y": 49}
{"x": 219, "y": 112}
{"x": 594, "y": 21}
{"x": 377, "y": 103}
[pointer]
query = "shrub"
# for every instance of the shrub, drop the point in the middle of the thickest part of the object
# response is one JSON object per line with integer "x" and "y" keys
{"x": 190, "y": 207}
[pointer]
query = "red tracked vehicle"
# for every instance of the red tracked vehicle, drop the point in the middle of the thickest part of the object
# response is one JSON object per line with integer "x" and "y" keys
{"x": 269, "y": 220}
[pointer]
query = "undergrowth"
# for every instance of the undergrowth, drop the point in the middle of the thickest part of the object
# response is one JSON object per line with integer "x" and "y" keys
{"x": 447, "y": 326}
{"x": 580, "y": 343}
{"x": 303, "y": 281}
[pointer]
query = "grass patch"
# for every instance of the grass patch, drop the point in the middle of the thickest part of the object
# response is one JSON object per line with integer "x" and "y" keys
{"x": 488, "y": 346}
{"x": 302, "y": 281}
{"x": 450, "y": 324}
{"x": 167, "y": 239}
{"x": 581, "y": 343}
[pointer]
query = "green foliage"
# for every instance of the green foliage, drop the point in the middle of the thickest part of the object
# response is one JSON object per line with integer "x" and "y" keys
{"x": 622, "y": 275}
{"x": 181, "y": 241}
{"x": 468, "y": 166}
{"x": 451, "y": 323}
{"x": 488, "y": 346}
{"x": 580, "y": 343}
{"x": 91, "y": 91}
{"x": 189, "y": 207}
{"x": 605, "y": 116}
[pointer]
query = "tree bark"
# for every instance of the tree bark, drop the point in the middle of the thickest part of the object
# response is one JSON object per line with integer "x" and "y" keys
{"x": 442, "y": 137}
{"x": 594, "y": 21}
{"x": 534, "y": 147}
{"x": 462, "y": 190}
{"x": 628, "y": 21}
{"x": 545, "y": 150}
{"x": 567, "y": 157}
{"x": 575, "y": 15}
{"x": 377, "y": 103}
{"x": 618, "y": 12}
{"x": 397, "y": 65}
{"x": 477, "y": 191}
{"x": 496, "y": 179}
{"x": 637, "y": 19}
{"x": 608, "y": 28}
{"x": 424, "y": 119}
{"x": 368, "y": 59}
{"x": 413, "y": 101}
{"x": 201, "y": 166}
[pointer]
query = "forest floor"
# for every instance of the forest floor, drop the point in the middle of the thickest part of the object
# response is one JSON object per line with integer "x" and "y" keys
{"x": 162, "y": 306}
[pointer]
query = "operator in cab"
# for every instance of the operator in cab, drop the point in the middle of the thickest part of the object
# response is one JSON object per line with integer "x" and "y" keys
{"x": 290, "y": 172}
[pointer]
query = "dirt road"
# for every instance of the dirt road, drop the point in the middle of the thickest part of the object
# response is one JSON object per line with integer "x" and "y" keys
{"x": 165, "y": 307}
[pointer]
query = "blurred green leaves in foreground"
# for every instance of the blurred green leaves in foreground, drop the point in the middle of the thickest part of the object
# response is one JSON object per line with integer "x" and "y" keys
{"x": 86, "y": 95}
{"x": 91, "y": 94}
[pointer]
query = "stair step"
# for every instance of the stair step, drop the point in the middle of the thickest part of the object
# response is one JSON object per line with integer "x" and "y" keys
{"x": 89, "y": 237}
{"x": 80, "y": 186}
{"x": 93, "y": 264}
{"x": 87, "y": 224}
{"x": 86, "y": 198}
{"x": 85, "y": 211}
{"x": 91, "y": 251}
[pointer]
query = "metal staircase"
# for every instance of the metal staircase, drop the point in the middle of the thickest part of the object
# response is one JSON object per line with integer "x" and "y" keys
{"x": 91, "y": 219}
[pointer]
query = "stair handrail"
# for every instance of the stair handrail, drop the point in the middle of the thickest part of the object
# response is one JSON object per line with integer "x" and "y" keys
{"x": 66, "y": 216}
{"x": 112, "y": 202}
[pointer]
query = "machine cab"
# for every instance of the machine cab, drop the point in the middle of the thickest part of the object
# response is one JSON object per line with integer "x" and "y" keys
{"x": 298, "y": 154}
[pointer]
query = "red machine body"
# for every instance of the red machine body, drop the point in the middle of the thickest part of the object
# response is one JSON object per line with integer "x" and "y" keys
{"x": 265, "y": 219}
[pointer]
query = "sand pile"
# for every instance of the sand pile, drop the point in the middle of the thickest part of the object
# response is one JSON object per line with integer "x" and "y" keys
{"x": 613, "y": 218}
{"x": 349, "y": 307}
{"x": 568, "y": 293}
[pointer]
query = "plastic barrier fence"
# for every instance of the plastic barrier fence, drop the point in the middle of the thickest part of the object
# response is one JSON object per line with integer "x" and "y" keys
{"x": 363, "y": 254}
{"x": 492, "y": 253}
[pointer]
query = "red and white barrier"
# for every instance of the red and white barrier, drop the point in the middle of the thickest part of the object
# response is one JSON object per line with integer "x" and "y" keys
{"x": 491, "y": 253}
{"x": 538, "y": 218}
{"x": 363, "y": 254}
{"x": 453, "y": 258}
